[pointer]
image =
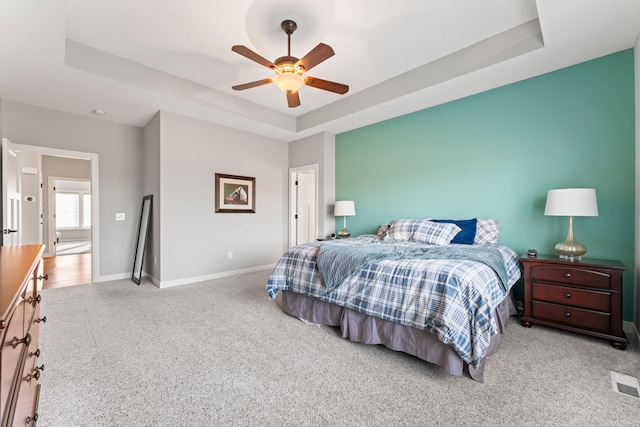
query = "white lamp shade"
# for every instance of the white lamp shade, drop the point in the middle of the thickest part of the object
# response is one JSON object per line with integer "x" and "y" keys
{"x": 571, "y": 202}
{"x": 288, "y": 82}
{"x": 344, "y": 208}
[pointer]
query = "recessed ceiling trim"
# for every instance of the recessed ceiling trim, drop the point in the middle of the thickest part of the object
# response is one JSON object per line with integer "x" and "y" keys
{"x": 113, "y": 67}
{"x": 501, "y": 47}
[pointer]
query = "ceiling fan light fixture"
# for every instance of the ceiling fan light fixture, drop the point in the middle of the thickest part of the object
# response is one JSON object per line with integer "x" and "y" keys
{"x": 288, "y": 82}
{"x": 289, "y": 69}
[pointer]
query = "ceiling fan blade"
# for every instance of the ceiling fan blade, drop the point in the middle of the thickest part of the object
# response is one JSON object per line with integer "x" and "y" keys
{"x": 248, "y": 53}
{"x": 293, "y": 99}
{"x": 326, "y": 85}
{"x": 316, "y": 56}
{"x": 252, "y": 84}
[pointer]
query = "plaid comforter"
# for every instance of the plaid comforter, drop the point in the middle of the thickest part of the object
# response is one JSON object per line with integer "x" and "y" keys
{"x": 453, "y": 299}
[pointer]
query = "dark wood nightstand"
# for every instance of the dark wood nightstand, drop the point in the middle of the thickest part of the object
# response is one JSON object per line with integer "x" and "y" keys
{"x": 579, "y": 296}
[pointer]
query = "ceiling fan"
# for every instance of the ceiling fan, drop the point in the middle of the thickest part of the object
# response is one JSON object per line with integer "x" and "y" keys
{"x": 289, "y": 69}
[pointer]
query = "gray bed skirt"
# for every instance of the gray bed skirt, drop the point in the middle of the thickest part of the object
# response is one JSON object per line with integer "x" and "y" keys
{"x": 361, "y": 328}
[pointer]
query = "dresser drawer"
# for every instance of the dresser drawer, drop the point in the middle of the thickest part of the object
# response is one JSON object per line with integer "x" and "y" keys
{"x": 573, "y": 276}
{"x": 33, "y": 352}
{"x": 26, "y": 407}
{"x": 584, "y": 319}
{"x": 583, "y": 298}
{"x": 10, "y": 353}
{"x": 20, "y": 281}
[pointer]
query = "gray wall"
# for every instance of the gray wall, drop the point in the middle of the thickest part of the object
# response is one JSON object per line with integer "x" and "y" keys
{"x": 194, "y": 240}
{"x": 151, "y": 168}
{"x": 119, "y": 148}
{"x": 31, "y": 193}
{"x": 320, "y": 149}
{"x": 636, "y": 307}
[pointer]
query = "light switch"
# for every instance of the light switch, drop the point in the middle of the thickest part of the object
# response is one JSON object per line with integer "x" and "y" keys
{"x": 120, "y": 216}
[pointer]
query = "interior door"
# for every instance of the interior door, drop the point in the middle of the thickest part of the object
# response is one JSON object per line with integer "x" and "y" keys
{"x": 303, "y": 218}
{"x": 306, "y": 208}
{"x": 51, "y": 220}
{"x": 11, "y": 199}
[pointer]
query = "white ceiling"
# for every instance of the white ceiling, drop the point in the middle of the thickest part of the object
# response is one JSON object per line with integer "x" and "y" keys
{"x": 132, "y": 58}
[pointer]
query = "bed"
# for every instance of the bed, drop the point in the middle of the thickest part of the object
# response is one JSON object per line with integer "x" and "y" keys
{"x": 436, "y": 289}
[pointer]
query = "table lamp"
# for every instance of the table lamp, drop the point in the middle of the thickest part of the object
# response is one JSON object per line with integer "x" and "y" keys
{"x": 344, "y": 208}
{"x": 571, "y": 202}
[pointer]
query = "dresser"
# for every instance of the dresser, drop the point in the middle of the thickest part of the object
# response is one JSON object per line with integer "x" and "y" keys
{"x": 579, "y": 296}
{"x": 21, "y": 279}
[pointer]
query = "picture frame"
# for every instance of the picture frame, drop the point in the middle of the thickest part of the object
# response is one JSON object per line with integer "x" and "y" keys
{"x": 234, "y": 194}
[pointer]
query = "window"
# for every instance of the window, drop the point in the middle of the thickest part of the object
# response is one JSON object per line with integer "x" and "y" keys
{"x": 73, "y": 210}
{"x": 86, "y": 210}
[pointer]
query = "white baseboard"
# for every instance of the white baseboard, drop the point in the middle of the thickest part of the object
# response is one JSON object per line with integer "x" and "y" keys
{"x": 196, "y": 279}
{"x": 111, "y": 277}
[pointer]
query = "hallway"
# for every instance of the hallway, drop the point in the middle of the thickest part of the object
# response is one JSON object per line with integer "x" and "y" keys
{"x": 67, "y": 270}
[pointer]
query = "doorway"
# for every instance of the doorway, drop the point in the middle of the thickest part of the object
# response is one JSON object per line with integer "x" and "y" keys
{"x": 303, "y": 197}
{"x": 90, "y": 263}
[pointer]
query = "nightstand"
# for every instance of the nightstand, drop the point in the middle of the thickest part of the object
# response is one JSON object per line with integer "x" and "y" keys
{"x": 579, "y": 296}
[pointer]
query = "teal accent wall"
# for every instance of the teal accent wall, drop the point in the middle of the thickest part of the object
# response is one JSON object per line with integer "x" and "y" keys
{"x": 495, "y": 155}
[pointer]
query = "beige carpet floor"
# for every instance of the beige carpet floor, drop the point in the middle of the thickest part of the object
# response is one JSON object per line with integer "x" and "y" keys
{"x": 219, "y": 353}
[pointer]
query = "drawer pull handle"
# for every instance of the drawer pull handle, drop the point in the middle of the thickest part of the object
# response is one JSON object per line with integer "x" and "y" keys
{"x": 567, "y": 274}
{"x": 567, "y": 295}
{"x": 36, "y": 374}
{"x": 45, "y": 277}
{"x": 36, "y": 300}
{"x": 17, "y": 341}
{"x": 30, "y": 377}
{"x": 33, "y": 419}
{"x": 43, "y": 320}
{"x": 567, "y": 314}
{"x": 35, "y": 353}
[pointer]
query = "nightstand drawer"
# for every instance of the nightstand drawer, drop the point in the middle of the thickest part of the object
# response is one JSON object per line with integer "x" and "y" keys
{"x": 572, "y": 316}
{"x": 593, "y": 300}
{"x": 571, "y": 275}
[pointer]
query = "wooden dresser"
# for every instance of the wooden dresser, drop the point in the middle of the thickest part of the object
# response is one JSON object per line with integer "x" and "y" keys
{"x": 580, "y": 296}
{"x": 21, "y": 279}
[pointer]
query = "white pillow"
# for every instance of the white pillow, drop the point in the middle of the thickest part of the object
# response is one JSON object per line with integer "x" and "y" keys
{"x": 402, "y": 229}
{"x": 487, "y": 231}
{"x": 435, "y": 233}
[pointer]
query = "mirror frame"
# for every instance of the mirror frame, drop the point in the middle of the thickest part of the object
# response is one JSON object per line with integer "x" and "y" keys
{"x": 143, "y": 232}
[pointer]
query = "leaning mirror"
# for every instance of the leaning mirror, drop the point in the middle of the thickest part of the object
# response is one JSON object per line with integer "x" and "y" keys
{"x": 143, "y": 232}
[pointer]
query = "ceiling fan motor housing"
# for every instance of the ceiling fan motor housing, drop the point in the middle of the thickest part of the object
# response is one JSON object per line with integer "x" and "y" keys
{"x": 289, "y": 26}
{"x": 287, "y": 64}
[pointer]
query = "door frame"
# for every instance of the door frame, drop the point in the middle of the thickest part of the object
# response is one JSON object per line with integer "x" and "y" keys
{"x": 95, "y": 196}
{"x": 293, "y": 199}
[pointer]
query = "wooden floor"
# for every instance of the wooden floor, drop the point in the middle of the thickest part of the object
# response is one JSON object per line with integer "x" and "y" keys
{"x": 67, "y": 270}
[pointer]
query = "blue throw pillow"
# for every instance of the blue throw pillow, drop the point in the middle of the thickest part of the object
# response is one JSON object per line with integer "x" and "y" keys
{"x": 467, "y": 234}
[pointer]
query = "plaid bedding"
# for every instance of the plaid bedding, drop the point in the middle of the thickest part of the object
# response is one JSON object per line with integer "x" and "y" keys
{"x": 453, "y": 299}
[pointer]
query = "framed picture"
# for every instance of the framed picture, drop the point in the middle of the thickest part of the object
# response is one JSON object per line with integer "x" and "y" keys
{"x": 235, "y": 194}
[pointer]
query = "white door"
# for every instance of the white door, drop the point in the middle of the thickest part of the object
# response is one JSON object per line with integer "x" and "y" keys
{"x": 51, "y": 220}
{"x": 306, "y": 208}
{"x": 11, "y": 213}
{"x": 303, "y": 221}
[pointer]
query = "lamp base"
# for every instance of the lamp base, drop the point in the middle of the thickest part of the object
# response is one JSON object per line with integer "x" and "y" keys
{"x": 344, "y": 233}
{"x": 571, "y": 250}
